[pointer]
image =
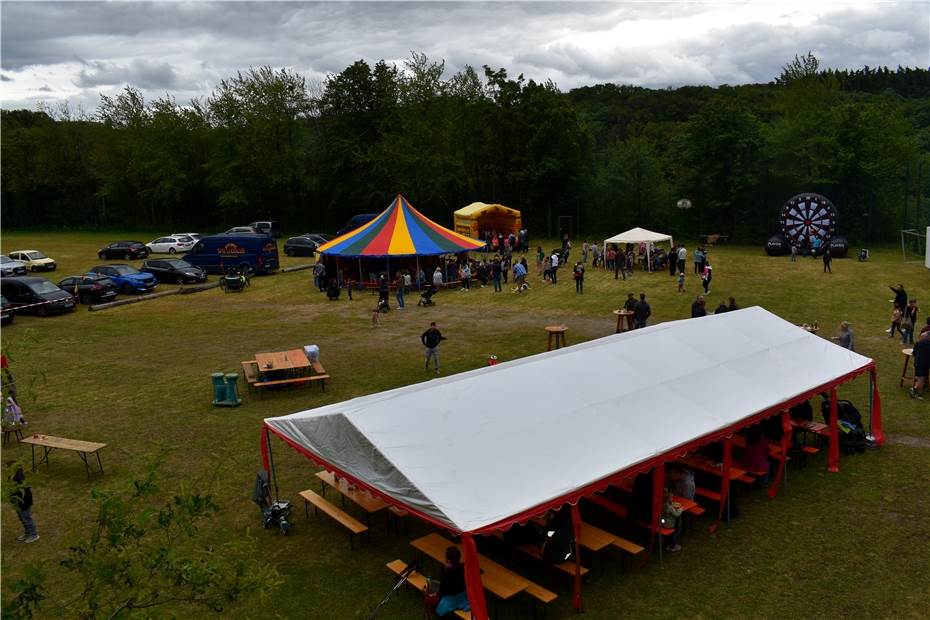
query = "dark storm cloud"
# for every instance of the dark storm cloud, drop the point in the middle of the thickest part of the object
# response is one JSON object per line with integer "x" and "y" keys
{"x": 82, "y": 49}
{"x": 141, "y": 73}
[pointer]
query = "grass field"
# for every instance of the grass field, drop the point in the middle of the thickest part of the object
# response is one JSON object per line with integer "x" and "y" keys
{"x": 854, "y": 544}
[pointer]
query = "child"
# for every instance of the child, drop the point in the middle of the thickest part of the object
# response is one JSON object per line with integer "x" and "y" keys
{"x": 376, "y": 316}
{"x": 671, "y": 510}
{"x": 681, "y": 281}
{"x": 896, "y": 315}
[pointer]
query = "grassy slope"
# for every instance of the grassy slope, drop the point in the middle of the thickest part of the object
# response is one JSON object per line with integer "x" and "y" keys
{"x": 137, "y": 378}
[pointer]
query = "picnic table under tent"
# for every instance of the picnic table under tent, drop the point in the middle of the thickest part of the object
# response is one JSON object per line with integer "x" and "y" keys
{"x": 399, "y": 232}
{"x": 433, "y": 450}
{"x": 641, "y": 235}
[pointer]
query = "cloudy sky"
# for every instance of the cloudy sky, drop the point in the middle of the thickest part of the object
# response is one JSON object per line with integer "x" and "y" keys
{"x": 53, "y": 51}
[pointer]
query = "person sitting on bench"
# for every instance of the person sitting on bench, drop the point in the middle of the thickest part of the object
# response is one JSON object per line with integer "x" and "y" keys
{"x": 451, "y": 595}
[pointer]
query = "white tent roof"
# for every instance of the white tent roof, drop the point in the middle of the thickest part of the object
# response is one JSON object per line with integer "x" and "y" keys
{"x": 639, "y": 235}
{"x": 479, "y": 447}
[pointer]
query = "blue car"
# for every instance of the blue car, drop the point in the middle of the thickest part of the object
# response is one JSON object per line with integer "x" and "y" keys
{"x": 128, "y": 279}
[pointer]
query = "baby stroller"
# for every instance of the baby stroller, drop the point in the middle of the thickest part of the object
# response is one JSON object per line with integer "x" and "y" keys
{"x": 274, "y": 512}
{"x": 426, "y": 297}
{"x": 235, "y": 279}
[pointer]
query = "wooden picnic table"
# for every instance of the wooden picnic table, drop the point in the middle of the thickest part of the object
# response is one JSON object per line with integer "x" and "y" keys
{"x": 774, "y": 450}
{"x": 498, "y": 580}
{"x": 710, "y": 468}
{"x": 49, "y": 443}
{"x": 293, "y": 360}
{"x": 814, "y": 427}
{"x": 623, "y": 318}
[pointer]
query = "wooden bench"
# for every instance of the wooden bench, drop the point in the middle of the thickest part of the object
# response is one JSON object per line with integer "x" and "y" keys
{"x": 535, "y": 551}
{"x": 344, "y": 519}
{"x": 319, "y": 374}
{"x": 250, "y": 372}
{"x": 418, "y": 581}
{"x": 708, "y": 494}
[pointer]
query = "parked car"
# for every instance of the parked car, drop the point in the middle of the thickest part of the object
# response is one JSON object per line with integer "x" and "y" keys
{"x": 127, "y": 250}
{"x": 91, "y": 288}
{"x": 238, "y": 230}
{"x": 357, "y": 220}
{"x": 318, "y": 238}
{"x": 127, "y": 278}
{"x": 173, "y": 270}
{"x": 216, "y": 253}
{"x": 268, "y": 227}
{"x": 300, "y": 246}
{"x": 6, "y": 311}
{"x": 34, "y": 260}
{"x": 195, "y": 236}
{"x": 10, "y": 267}
{"x": 170, "y": 245}
{"x": 36, "y": 296}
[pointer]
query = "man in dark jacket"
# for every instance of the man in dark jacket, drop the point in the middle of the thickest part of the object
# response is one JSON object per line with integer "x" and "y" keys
{"x": 641, "y": 312}
{"x": 21, "y": 498}
{"x": 698, "y": 308}
{"x": 431, "y": 339}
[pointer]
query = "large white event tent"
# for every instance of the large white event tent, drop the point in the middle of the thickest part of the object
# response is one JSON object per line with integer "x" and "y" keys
{"x": 608, "y": 409}
{"x": 640, "y": 235}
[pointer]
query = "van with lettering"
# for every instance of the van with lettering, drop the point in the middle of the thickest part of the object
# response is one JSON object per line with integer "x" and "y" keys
{"x": 217, "y": 253}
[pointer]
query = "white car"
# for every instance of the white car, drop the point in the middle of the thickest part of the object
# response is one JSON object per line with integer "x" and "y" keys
{"x": 34, "y": 260}
{"x": 171, "y": 245}
{"x": 10, "y": 267}
{"x": 195, "y": 236}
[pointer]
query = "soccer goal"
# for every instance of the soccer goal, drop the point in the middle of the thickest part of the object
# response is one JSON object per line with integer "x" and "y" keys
{"x": 915, "y": 246}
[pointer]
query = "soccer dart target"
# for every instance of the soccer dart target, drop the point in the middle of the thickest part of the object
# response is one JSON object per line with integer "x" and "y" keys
{"x": 807, "y": 216}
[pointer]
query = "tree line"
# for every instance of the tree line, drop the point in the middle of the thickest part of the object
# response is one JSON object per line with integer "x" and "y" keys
{"x": 266, "y": 144}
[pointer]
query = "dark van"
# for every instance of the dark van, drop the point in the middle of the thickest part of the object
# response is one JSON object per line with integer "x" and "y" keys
{"x": 357, "y": 220}
{"x": 216, "y": 253}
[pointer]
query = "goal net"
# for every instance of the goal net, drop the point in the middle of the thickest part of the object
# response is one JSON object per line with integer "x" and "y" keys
{"x": 915, "y": 246}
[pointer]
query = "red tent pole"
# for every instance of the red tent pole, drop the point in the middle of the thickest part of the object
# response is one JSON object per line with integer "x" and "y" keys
{"x": 577, "y": 601}
{"x": 725, "y": 478}
{"x": 875, "y": 418}
{"x": 264, "y": 448}
{"x": 785, "y": 445}
{"x": 833, "y": 459}
{"x": 473, "y": 585}
{"x": 658, "y": 495}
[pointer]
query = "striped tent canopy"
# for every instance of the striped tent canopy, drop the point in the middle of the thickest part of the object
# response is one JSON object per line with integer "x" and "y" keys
{"x": 400, "y": 230}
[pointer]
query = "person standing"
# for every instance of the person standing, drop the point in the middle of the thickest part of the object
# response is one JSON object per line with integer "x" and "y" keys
{"x": 698, "y": 261}
{"x": 794, "y": 253}
{"x": 900, "y": 296}
{"x": 401, "y": 289}
{"x": 554, "y": 267}
{"x": 641, "y": 312}
{"x": 540, "y": 257}
{"x": 519, "y": 276}
{"x": 699, "y": 307}
{"x": 827, "y": 260}
{"x": 437, "y": 277}
{"x": 584, "y": 252}
{"x": 496, "y": 274}
{"x": 21, "y": 498}
{"x": 466, "y": 277}
{"x": 431, "y": 339}
{"x": 921, "y": 365}
{"x": 707, "y": 275}
{"x": 681, "y": 281}
{"x": 896, "y": 316}
{"x": 909, "y": 321}
{"x": 579, "y": 278}
{"x": 845, "y": 338}
{"x": 682, "y": 257}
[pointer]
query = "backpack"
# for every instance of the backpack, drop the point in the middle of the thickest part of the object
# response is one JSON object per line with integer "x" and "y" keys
{"x": 852, "y": 434}
{"x": 845, "y": 410}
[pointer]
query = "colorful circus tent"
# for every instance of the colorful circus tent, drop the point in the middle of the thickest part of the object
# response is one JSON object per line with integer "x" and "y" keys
{"x": 400, "y": 230}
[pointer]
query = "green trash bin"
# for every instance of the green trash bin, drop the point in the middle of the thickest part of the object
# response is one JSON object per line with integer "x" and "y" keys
{"x": 232, "y": 389}
{"x": 219, "y": 388}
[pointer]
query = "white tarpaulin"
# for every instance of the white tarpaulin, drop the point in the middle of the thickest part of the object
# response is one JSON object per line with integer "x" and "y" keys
{"x": 476, "y": 448}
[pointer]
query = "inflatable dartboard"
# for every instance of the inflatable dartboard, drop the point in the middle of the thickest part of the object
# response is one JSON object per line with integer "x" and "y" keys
{"x": 807, "y": 216}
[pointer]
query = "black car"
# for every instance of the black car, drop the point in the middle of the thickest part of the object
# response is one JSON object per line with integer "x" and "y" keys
{"x": 174, "y": 270}
{"x": 90, "y": 288}
{"x": 6, "y": 311}
{"x": 300, "y": 246}
{"x": 124, "y": 249}
{"x": 36, "y": 296}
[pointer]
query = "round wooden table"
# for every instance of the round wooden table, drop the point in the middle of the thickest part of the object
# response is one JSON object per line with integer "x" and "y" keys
{"x": 908, "y": 353}
{"x": 621, "y": 315}
{"x": 559, "y": 332}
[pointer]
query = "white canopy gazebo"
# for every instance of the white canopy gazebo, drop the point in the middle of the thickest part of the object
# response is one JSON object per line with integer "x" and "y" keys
{"x": 641, "y": 235}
